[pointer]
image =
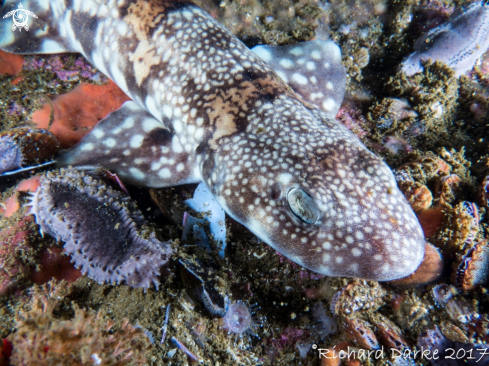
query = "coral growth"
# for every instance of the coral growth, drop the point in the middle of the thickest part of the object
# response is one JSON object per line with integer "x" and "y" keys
{"x": 87, "y": 338}
{"x": 273, "y": 22}
{"x": 356, "y": 296}
{"x": 66, "y": 67}
{"x": 433, "y": 96}
{"x": 15, "y": 244}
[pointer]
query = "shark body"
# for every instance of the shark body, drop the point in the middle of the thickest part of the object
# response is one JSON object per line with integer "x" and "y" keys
{"x": 206, "y": 108}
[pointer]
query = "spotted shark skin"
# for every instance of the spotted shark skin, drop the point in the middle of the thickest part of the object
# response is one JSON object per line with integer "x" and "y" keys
{"x": 207, "y": 108}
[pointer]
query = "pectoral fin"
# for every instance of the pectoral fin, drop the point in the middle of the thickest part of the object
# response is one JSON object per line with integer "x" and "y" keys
{"x": 136, "y": 146}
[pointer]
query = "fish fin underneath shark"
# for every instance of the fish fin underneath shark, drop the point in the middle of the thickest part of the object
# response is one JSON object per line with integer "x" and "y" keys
{"x": 137, "y": 147}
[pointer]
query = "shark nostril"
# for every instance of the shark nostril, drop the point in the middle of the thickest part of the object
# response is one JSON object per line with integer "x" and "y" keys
{"x": 303, "y": 206}
{"x": 276, "y": 191}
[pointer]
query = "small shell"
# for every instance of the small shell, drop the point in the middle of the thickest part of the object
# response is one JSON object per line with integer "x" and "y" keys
{"x": 473, "y": 270}
{"x": 390, "y": 335}
{"x": 423, "y": 169}
{"x": 460, "y": 310}
{"x": 10, "y": 155}
{"x": 448, "y": 188}
{"x": 412, "y": 311}
{"x": 484, "y": 193}
{"x": 463, "y": 225}
{"x": 417, "y": 194}
{"x": 454, "y": 333}
{"x": 201, "y": 280}
{"x": 358, "y": 332}
{"x": 355, "y": 297}
{"x": 393, "y": 109}
{"x": 441, "y": 294}
{"x": 26, "y": 145}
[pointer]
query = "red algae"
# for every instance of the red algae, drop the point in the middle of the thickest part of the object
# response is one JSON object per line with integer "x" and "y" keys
{"x": 55, "y": 265}
{"x": 10, "y": 63}
{"x": 13, "y": 242}
{"x": 431, "y": 220}
{"x": 77, "y": 112}
{"x": 29, "y": 185}
{"x": 5, "y": 352}
{"x": 11, "y": 205}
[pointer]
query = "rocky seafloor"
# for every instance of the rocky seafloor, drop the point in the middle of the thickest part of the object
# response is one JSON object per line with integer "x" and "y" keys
{"x": 430, "y": 127}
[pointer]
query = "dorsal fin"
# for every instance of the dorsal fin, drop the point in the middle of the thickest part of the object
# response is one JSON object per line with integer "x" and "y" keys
{"x": 313, "y": 69}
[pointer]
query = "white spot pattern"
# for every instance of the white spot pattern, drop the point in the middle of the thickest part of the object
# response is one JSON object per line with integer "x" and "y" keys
{"x": 302, "y": 65}
{"x": 255, "y": 148}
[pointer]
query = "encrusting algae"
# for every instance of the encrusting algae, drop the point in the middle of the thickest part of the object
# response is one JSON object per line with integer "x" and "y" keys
{"x": 85, "y": 337}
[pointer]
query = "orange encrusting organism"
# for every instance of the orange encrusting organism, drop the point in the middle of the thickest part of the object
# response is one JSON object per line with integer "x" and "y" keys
{"x": 431, "y": 220}
{"x": 11, "y": 205}
{"x": 10, "y": 63}
{"x": 55, "y": 265}
{"x": 77, "y": 112}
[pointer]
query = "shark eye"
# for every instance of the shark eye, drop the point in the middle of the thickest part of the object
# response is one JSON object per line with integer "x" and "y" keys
{"x": 303, "y": 206}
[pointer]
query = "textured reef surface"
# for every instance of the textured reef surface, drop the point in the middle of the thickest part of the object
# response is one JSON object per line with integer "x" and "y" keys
{"x": 95, "y": 271}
